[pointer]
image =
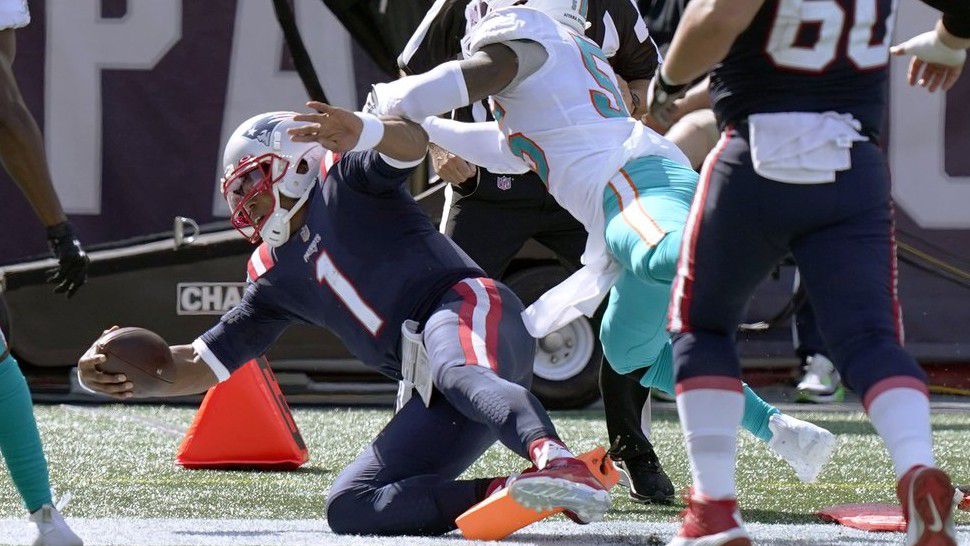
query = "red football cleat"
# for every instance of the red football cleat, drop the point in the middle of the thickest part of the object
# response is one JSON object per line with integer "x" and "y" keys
{"x": 565, "y": 483}
{"x": 711, "y": 523}
{"x": 499, "y": 515}
{"x": 927, "y": 497}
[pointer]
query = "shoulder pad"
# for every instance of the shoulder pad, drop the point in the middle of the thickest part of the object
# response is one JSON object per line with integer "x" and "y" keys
{"x": 260, "y": 262}
{"x": 515, "y": 23}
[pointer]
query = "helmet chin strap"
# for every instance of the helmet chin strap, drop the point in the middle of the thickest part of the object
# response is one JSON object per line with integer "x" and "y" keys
{"x": 276, "y": 230}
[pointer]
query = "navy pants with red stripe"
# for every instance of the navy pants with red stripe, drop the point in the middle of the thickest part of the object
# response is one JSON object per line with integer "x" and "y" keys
{"x": 405, "y": 481}
{"x": 841, "y": 235}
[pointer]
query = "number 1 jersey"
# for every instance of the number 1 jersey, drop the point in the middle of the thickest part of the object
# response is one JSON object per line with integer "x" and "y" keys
{"x": 366, "y": 259}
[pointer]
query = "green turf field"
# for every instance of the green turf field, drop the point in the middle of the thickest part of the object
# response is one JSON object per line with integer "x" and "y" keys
{"x": 118, "y": 462}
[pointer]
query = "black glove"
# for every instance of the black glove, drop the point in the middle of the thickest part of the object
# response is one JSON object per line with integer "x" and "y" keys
{"x": 661, "y": 96}
{"x": 72, "y": 268}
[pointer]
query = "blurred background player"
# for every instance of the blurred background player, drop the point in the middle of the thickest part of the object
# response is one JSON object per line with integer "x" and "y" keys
{"x": 798, "y": 169}
{"x": 629, "y": 186}
{"x": 477, "y": 196}
{"x": 22, "y": 152}
{"x": 413, "y": 300}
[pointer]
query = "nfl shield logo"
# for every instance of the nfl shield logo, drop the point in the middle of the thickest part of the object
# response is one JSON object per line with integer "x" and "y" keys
{"x": 504, "y": 182}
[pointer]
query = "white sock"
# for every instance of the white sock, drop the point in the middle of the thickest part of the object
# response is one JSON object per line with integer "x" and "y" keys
{"x": 646, "y": 419}
{"x": 710, "y": 409}
{"x": 900, "y": 411}
{"x": 544, "y": 450}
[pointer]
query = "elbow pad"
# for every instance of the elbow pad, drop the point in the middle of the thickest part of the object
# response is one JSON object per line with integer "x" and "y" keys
{"x": 437, "y": 91}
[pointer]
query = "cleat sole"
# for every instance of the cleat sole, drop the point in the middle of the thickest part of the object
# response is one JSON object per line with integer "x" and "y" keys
{"x": 545, "y": 493}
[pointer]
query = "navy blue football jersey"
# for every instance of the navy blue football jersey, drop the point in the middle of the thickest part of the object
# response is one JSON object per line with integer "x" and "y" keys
{"x": 808, "y": 56}
{"x": 366, "y": 259}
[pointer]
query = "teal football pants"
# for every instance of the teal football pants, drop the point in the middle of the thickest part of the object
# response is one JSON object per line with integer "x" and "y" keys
{"x": 19, "y": 439}
{"x": 646, "y": 206}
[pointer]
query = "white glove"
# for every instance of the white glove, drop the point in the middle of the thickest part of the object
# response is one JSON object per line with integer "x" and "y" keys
{"x": 928, "y": 47}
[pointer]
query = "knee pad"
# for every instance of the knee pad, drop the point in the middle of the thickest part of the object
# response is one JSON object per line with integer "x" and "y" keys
{"x": 480, "y": 387}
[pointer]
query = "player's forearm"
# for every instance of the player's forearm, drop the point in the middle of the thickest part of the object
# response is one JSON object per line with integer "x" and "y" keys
{"x": 956, "y": 19}
{"x": 704, "y": 37}
{"x": 949, "y": 39}
{"x": 22, "y": 151}
{"x": 481, "y": 144}
{"x": 193, "y": 375}
{"x": 697, "y": 98}
{"x": 447, "y": 87}
{"x": 403, "y": 140}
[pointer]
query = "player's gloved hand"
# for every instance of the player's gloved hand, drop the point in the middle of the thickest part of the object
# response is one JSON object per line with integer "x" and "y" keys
{"x": 72, "y": 262}
{"x": 934, "y": 64}
{"x": 661, "y": 96}
{"x": 451, "y": 168}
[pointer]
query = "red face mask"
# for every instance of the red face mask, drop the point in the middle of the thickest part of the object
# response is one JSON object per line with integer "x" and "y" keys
{"x": 243, "y": 186}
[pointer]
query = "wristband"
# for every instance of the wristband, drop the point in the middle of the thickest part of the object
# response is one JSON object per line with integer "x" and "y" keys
{"x": 371, "y": 134}
{"x": 667, "y": 87}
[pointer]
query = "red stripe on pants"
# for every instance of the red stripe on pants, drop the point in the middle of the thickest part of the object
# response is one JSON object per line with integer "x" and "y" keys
{"x": 683, "y": 284}
{"x": 492, "y": 320}
{"x": 465, "y": 315}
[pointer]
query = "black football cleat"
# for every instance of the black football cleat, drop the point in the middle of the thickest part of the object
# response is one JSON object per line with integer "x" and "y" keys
{"x": 644, "y": 477}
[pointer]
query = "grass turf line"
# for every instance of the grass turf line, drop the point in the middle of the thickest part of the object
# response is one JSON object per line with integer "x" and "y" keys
{"x": 115, "y": 465}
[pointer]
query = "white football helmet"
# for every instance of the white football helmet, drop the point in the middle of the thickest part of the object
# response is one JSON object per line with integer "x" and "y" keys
{"x": 571, "y": 13}
{"x": 260, "y": 158}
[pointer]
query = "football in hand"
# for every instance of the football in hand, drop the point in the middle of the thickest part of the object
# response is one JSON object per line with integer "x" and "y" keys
{"x": 143, "y": 356}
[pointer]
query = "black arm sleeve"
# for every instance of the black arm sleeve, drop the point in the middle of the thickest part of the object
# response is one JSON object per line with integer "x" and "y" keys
{"x": 637, "y": 57}
{"x": 956, "y": 15}
{"x": 437, "y": 39}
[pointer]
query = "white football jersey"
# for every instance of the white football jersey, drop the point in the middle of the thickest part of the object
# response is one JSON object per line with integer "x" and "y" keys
{"x": 567, "y": 120}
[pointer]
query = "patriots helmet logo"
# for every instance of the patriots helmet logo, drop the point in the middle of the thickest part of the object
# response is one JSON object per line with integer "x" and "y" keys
{"x": 261, "y": 130}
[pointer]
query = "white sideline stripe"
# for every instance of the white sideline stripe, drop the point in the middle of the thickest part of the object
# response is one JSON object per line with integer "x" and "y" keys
{"x": 304, "y": 532}
{"x": 109, "y": 413}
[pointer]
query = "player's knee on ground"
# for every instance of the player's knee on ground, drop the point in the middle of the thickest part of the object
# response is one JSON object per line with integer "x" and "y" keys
{"x": 703, "y": 353}
{"x": 347, "y": 515}
{"x": 868, "y": 359}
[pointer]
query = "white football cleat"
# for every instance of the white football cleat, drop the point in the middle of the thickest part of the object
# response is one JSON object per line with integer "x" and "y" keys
{"x": 821, "y": 382}
{"x": 804, "y": 446}
{"x": 52, "y": 530}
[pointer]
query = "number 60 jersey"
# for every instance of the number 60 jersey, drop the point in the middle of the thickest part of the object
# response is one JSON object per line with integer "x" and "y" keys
{"x": 366, "y": 259}
{"x": 808, "y": 56}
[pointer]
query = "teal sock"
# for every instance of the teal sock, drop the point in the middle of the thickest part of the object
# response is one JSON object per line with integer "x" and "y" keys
{"x": 757, "y": 413}
{"x": 19, "y": 439}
